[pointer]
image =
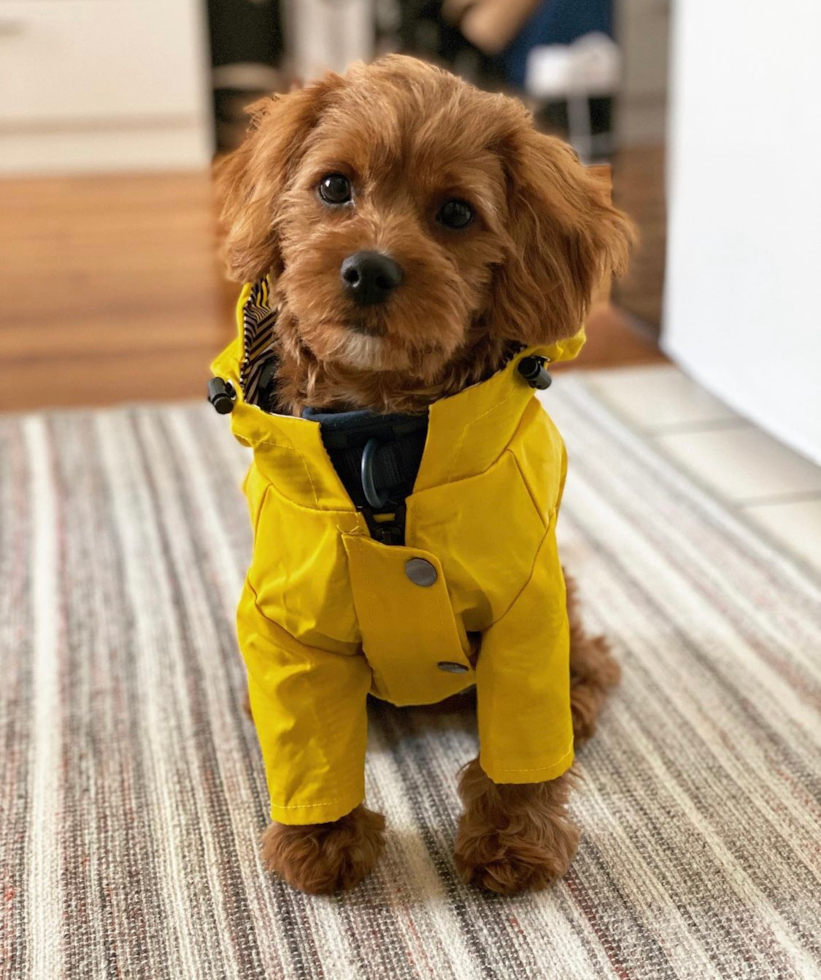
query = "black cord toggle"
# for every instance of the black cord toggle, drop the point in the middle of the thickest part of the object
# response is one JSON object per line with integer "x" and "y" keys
{"x": 532, "y": 369}
{"x": 221, "y": 394}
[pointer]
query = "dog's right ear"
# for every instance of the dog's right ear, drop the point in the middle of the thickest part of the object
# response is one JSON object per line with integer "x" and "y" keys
{"x": 252, "y": 180}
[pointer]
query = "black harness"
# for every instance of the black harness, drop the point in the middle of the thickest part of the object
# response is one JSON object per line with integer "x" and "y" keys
{"x": 377, "y": 459}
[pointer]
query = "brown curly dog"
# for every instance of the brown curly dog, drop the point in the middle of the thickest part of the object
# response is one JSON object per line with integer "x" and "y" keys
{"x": 498, "y": 237}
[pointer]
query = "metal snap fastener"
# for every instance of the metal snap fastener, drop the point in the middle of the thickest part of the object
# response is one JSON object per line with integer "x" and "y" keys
{"x": 452, "y": 668}
{"x": 420, "y": 572}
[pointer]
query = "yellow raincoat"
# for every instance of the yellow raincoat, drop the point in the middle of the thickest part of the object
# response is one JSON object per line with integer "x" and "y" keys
{"x": 329, "y": 615}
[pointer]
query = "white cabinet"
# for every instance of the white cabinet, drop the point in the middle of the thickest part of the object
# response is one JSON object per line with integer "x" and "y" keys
{"x": 102, "y": 84}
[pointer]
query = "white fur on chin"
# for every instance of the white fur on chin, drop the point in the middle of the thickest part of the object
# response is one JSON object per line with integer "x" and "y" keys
{"x": 369, "y": 353}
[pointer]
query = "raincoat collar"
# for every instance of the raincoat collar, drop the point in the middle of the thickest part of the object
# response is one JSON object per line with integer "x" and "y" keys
{"x": 467, "y": 432}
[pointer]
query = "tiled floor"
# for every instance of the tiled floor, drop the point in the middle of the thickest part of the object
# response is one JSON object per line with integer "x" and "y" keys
{"x": 767, "y": 483}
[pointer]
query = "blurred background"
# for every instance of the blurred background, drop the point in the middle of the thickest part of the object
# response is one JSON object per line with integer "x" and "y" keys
{"x": 112, "y": 110}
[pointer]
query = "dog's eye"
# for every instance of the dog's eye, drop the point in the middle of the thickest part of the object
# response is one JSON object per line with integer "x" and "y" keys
{"x": 335, "y": 189}
{"x": 455, "y": 214}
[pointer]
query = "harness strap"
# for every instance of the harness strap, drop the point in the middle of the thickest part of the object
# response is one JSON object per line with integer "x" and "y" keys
{"x": 377, "y": 458}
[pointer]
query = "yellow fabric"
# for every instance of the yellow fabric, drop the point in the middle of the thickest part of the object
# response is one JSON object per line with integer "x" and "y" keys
{"x": 329, "y": 615}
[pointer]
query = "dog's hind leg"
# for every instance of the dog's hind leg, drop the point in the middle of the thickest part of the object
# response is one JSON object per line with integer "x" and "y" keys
{"x": 593, "y": 670}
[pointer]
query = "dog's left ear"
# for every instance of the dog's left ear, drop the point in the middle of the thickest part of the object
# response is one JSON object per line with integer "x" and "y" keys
{"x": 565, "y": 237}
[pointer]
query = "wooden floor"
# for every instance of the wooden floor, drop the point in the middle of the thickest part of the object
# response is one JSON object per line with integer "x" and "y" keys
{"x": 110, "y": 291}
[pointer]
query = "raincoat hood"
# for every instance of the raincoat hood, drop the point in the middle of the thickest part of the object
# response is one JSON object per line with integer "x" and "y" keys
{"x": 474, "y": 595}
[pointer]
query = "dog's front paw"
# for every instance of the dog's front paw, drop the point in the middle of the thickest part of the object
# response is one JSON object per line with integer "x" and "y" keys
{"x": 528, "y": 858}
{"x": 514, "y": 837}
{"x": 323, "y": 858}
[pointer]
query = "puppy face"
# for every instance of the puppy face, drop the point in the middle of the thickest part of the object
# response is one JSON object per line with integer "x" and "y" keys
{"x": 407, "y": 217}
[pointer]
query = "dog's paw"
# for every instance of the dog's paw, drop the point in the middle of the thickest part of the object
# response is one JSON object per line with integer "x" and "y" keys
{"x": 506, "y": 862}
{"x": 326, "y": 857}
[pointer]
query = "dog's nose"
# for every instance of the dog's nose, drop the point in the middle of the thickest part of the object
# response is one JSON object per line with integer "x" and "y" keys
{"x": 370, "y": 277}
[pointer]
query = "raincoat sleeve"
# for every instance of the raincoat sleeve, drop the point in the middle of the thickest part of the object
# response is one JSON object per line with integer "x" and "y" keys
{"x": 523, "y": 679}
{"x": 309, "y": 708}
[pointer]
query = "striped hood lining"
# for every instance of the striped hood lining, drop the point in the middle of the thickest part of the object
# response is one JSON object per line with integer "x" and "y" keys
{"x": 258, "y": 320}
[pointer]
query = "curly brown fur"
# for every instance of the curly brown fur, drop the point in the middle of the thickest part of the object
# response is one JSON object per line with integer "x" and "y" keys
{"x": 513, "y": 837}
{"x": 593, "y": 670}
{"x": 322, "y": 858}
{"x": 408, "y": 137}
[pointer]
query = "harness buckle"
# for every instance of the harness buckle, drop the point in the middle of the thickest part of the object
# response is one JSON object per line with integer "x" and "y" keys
{"x": 390, "y": 531}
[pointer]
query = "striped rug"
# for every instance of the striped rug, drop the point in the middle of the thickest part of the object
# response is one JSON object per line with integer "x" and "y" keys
{"x": 132, "y": 794}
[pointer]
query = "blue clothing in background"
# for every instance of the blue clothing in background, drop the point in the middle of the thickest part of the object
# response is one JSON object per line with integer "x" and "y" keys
{"x": 555, "y": 22}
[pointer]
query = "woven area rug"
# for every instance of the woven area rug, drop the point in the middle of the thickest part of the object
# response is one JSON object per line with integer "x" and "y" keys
{"x": 132, "y": 791}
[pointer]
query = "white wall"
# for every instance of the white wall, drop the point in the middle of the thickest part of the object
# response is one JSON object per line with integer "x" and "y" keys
{"x": 743, "y": 293}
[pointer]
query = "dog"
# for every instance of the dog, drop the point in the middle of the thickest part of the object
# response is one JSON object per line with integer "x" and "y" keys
{"x": 409, "y": 242}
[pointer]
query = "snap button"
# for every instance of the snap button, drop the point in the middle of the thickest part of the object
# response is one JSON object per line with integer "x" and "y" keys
{"x": 420, "y": 572}
{"x": 452, "y": 668}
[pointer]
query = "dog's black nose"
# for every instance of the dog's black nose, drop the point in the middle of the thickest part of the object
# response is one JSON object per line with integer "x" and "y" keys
{"x": 370, "y": 277}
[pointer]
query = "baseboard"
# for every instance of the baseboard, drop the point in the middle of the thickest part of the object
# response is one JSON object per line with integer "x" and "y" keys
{"x": 184, "y": 146}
